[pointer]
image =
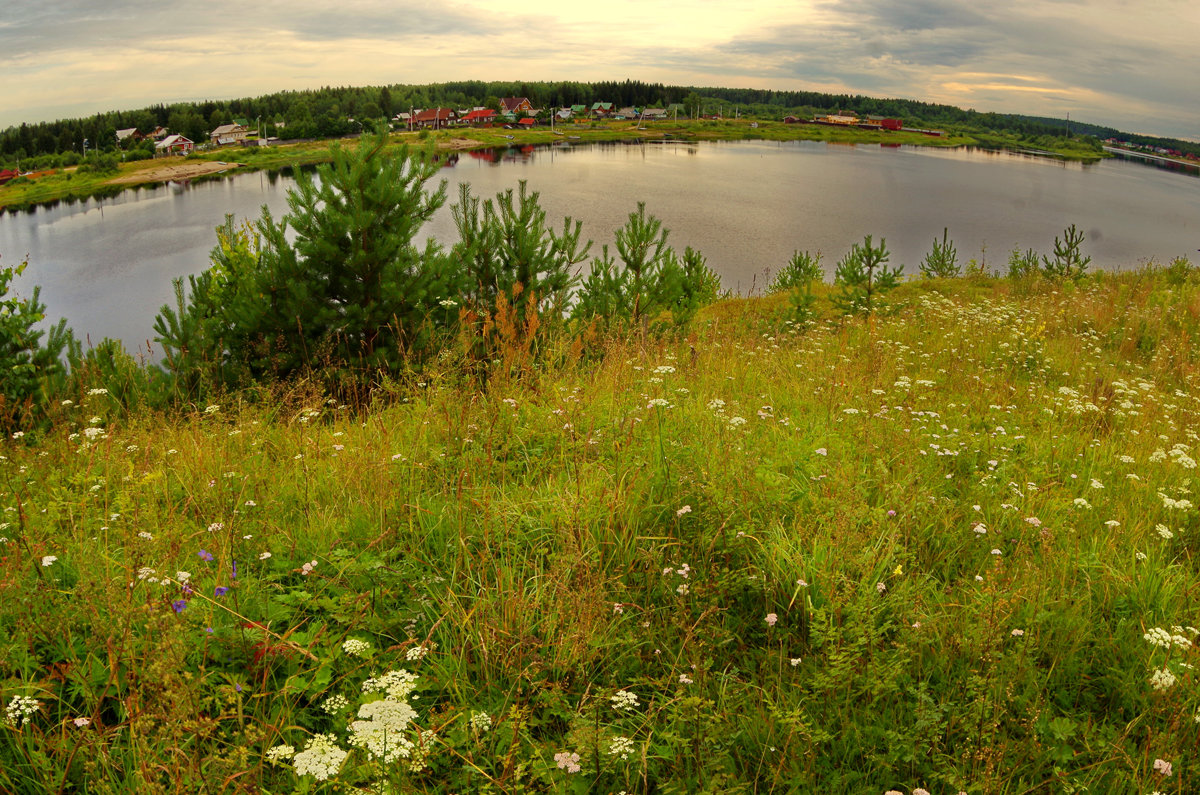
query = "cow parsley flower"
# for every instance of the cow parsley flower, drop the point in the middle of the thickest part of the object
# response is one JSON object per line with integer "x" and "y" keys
{"x": 320, "y": 759}
{"x": 1162, "y": 679}
{"x": 355, "y": 647}
{"x": 21, "y": 709}
{"x": 624, "y": 701}
{"x": 1162, "y": 766}
{"x": 49, "y": 560}
{"x": 381, "y": 727}
{"x": 620, "y": 746}
{"x": 481, "y": 721}
{"x": 568, "y": 762}
{"x": 279, "y": 753}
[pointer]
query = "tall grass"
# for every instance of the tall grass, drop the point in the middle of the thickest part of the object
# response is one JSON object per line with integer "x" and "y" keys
{"x": 922, "y": 553}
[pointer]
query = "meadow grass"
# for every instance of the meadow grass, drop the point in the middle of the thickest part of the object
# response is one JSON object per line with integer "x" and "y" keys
{"x": 950, "y": 549}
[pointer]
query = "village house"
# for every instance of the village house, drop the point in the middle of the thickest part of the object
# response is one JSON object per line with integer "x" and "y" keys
{"x": 515, "y": 105}
{"x": 654, "y": 114}
{"x": 479, "y": 116}
{"x": 602, "y": 109}
{"x": 436, "y": 118}
{"x": 228, "y": 134}
{"x": 174, "y": 145}
{"x": 130, "y": 132}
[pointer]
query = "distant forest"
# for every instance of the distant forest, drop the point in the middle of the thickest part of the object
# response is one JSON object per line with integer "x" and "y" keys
{"x": 327, "y": 112}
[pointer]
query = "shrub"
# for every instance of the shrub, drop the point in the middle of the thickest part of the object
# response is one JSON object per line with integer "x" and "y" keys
{"x": 31, "y": 373}
{"x": 506, "y": 242}
{"x": 1023, "y": 264}
{"x": 339, "y": 283}
{"x": 801, "y": 270}
{"x": 864, "y": 277}
{"x": 652, "y": 280}
{"x": 942, "y": 260}
{"x": 1068, "y": 262}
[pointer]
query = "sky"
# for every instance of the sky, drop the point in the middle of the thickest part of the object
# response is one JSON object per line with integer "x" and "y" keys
{"x": 1120, "y": 63}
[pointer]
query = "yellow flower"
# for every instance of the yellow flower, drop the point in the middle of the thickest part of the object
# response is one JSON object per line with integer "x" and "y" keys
{"x": 899, "y": 570}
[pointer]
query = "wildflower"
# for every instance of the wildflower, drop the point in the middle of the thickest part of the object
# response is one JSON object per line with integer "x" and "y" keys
{"x": 683, "y": 510}
{"x": 1080, "y": 502}
{"x": 182, "y": 577}
{"x": 568, "y": 762}
{"x": 1112, "y": 523}
{"x": 620, "y": 746}
{"x": 980, "y": 528}
{"x": 1033, "y": 520}
{"x": 821, "y": 451}
{"x": 978, "y": 578}
{"x": 658, "y": 403}
{"x": 920, "y": 791}
{"x": 211, "y": 409}
{"x": 1162, "y": 766}
{"x": 1162, "y": 679}
{"x": 1096, "y": 484}
{"x": 179, "y": 605}
{"x": 220, "y": 591}
{"x": 802, "y": 583}
{"x": 1016, "y": 633}
{"x": 735, "y": 422}
{"x": 997, "y": 552}
{"x": 21, "y": 709}
{"x": 395, "y": 684}
{"x": 682, "y": 590}
{"x": 264, "y": 555}
{"x": 98, "y": 391}
{"x": 280, "y": 753}
{"x": 49, "y": 560}
{"x": 618, "y": 607}
{"x": 307, "y": 568}
{"x": 145, "y": 535}
{"x": 355, "y": 647}
{"x": 684, "y": 679}
{"x": 205, "y": 555}
{"x": 481, "y": 721}
{"x": 880, "y": 587}
{"x": 321, "y": 758}
{"x": 795, "y": 661}
{"x": 335, "y": 704}
{"x": 416, "y": 653}
{"x": 624, "y": 701}
{"x": 772, "y": 618}
{"x": 80, "y": 722}
{"x": 1164, "y": 532}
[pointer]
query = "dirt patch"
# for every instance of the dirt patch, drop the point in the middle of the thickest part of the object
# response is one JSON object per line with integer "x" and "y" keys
{"x": 458, "y": 143}
{"x": 173, "y": 172}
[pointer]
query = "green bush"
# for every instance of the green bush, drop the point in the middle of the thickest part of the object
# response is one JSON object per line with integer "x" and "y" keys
{"x": 1068, "y": 261}
{"x": 864, "y": 277}
{"x": 31, "y": 373}
{"x": 652, "y": 279}
{"x": 942, "y": 260}
{"x": 338, "y": 284}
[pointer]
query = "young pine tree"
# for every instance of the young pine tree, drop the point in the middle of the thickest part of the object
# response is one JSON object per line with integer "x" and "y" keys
{"x": 864, "y": 277}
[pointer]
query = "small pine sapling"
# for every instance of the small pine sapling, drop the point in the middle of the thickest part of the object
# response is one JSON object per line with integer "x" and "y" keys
{"x": 1068, "y": 261}
{"x": 864, "y": 277}
{"x": 942, "y": 261}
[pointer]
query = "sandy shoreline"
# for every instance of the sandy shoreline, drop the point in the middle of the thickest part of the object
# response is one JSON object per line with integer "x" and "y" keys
{"x": 173, "y": 172}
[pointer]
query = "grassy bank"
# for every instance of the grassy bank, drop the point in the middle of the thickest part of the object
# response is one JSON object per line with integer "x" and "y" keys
{"x": 952, "y": 549}
{"x": 68, "y": 185}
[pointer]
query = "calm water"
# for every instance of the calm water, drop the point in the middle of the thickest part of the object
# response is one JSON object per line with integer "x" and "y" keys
{"x": 107, "y": 266}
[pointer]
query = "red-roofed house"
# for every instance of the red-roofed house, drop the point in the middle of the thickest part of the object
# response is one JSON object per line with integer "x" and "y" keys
{"x": 481, "y": 116}
{"x": 434, "y": 117}
{"x": 527, "y": 122}
{"x": 7, "y": 174}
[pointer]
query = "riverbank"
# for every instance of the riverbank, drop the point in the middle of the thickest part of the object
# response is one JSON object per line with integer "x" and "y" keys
{"x": 68, "y": 185}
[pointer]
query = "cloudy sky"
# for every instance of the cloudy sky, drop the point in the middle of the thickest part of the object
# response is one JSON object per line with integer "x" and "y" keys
{"x": 1132, "y": 65}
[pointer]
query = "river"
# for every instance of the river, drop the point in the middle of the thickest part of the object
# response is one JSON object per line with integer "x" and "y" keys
{"x": 107, "y": 265}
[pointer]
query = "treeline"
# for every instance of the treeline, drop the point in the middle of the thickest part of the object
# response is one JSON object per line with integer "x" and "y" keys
{"x": 334, "y": 111}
